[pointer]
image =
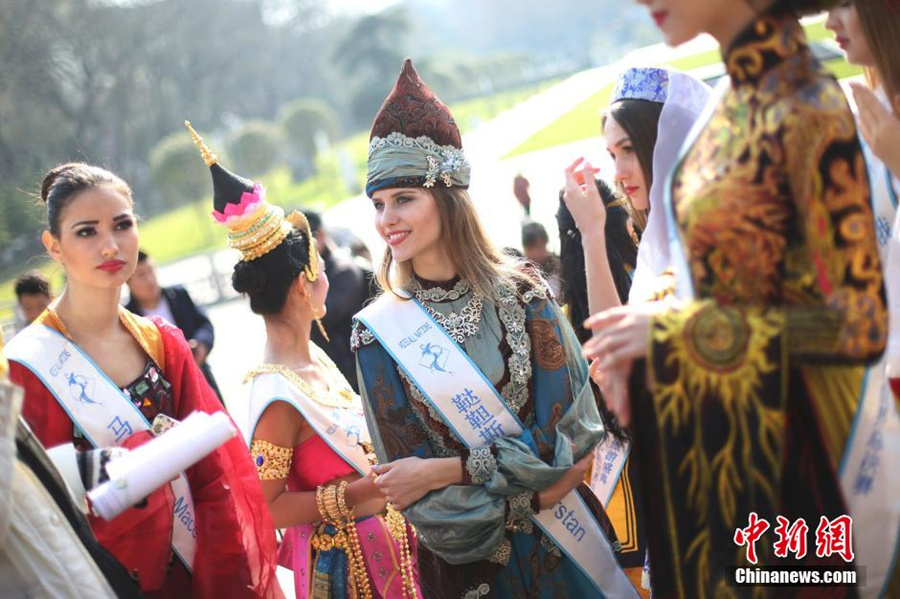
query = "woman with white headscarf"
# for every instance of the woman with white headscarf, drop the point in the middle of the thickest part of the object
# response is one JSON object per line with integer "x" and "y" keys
{"x": 649, "y": 118}
{"x": 651, "y": 114}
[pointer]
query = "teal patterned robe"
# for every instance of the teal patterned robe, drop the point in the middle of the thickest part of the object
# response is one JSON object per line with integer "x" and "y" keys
{"x": 476, "y": 539}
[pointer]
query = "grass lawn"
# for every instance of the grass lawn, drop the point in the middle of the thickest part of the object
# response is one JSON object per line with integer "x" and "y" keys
{"x": 583, "y": 121}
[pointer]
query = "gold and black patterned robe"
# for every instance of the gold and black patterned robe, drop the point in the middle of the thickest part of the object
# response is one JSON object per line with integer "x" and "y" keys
{"x": 752, "y": 385}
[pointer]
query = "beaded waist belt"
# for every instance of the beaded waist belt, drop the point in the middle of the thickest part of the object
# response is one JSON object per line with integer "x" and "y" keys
{"x": 326, "y": 541}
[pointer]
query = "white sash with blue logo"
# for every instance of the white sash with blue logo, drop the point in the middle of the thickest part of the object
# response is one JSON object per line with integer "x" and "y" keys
{"x": 472, "y": 408}
{"x": 871, "y": 481}
{"x": 99, "y": 409}
{"x": 343, "y": 429}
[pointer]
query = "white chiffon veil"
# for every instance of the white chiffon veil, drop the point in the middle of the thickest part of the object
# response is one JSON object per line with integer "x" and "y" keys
{"x": 686, "y": 97}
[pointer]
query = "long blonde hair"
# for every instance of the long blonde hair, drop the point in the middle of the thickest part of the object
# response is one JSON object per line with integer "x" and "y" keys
{"x": 477, "y": 260}
{"x": 880, "y": 21}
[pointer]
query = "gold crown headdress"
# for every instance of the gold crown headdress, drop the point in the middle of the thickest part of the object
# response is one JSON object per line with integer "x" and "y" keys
{"x": 255, "y": 227}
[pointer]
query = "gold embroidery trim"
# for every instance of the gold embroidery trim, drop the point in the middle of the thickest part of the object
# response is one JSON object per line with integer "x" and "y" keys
{"x": 339, "y": 398}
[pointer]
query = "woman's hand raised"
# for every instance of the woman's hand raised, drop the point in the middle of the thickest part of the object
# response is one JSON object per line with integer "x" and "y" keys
{"x": 879, "y": 126}
{"x": 583, "y": 199}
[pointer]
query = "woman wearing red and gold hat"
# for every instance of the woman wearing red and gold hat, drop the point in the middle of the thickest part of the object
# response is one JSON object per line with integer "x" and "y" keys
{"x": 475, "y": 389}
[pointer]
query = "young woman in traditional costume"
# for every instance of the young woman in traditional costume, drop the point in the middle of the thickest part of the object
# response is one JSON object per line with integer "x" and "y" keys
{"x": 475, "y": 391}
{"x": 869, "y": 33}
{"x": 752, "y": 381}
{"x": 97, "y": 375}
{"x": 308, "y": 435}
{"x": 651, "y": 113}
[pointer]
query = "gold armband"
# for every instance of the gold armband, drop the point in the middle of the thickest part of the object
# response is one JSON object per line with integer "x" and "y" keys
{"x": 272, "y": 462}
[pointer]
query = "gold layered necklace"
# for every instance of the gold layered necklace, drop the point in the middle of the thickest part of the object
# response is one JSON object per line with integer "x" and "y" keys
{"x": 342, "y": 398}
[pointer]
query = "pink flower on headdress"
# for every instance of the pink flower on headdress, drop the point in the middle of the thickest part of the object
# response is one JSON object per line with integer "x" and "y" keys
{"x": 247, "y": 206}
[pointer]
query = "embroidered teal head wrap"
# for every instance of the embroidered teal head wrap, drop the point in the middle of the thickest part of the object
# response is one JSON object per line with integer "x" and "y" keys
{"x": 415, "y": 141}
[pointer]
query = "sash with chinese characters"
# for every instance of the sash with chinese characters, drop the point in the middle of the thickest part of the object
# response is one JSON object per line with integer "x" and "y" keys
{"x": 470, "y": 405}
{"x": 871, "y": 482}
{"x": 99, "y": 409}
{"x": 343, "y": 428}
{"x": 609, "y": 461}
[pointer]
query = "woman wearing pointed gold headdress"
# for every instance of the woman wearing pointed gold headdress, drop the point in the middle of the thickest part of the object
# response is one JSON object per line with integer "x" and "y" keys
{"x": 308, "y": 435}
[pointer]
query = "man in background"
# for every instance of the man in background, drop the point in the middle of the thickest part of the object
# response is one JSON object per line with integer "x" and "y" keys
{"x": 350, "y": 286}
{"x": 534, "y": 243}
{"x": 32, "y": 295}
{"x": 176, "y": 306}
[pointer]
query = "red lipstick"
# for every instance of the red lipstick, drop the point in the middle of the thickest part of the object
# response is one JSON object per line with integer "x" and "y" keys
{"x": 112, "y": 266}
{"x": 660, "y": 17}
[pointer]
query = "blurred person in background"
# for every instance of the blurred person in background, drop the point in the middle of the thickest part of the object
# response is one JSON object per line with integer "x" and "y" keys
{"x": 32, "y": 296}
{"x": 534, "y": 246}
{"x": 521, "y": 186}
{"x": 174, "y": 304}
{"x": 869, "y": 33}
{"x": 351, "y": 287}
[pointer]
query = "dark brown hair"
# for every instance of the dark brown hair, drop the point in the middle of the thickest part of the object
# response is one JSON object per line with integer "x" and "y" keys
{"x": 65, "y": 181}
{"x": 32, "y": 283}
{"x": 640, "y": 120}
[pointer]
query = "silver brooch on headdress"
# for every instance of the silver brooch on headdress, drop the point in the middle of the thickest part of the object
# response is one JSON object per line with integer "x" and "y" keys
{"x": 453, "y": 161}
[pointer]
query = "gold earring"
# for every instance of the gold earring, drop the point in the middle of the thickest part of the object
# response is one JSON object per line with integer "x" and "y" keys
{"x": 317, "y": 319}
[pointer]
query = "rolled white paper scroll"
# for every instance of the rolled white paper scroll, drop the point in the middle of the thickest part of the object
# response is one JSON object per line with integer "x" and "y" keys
{"x": 145, "y": 469}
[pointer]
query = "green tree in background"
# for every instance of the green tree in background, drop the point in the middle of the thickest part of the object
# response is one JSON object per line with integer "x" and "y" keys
{"x": 370, "y": 54}
{"x": 256, "y": 147}
{"x": 177, "y": 170}
{"x": 303, "y": 119}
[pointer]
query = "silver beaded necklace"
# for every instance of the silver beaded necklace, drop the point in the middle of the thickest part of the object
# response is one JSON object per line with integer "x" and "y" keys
{"x": 462, "y": 325}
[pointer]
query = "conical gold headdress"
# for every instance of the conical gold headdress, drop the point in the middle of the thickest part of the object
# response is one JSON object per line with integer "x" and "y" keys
{"x": 255, "y": 227}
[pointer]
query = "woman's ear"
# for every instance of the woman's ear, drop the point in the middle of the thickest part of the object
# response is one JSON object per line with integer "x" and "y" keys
{"x": 300, "y": 284}
{"x": 51, "y": 244}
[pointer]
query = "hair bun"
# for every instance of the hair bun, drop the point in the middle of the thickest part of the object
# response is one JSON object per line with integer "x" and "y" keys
{"x": 248, "y": 278}
{"x": 54, "y": 174}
